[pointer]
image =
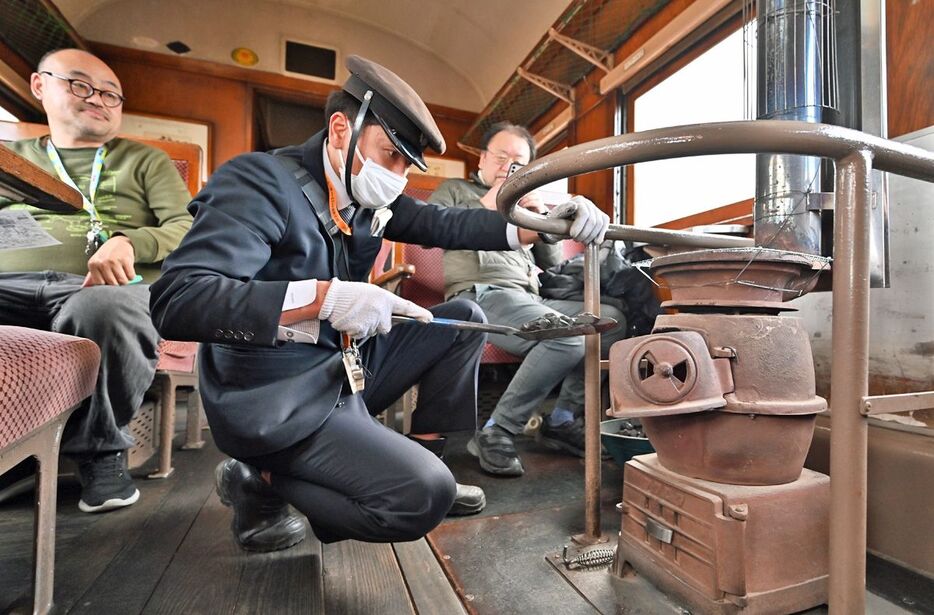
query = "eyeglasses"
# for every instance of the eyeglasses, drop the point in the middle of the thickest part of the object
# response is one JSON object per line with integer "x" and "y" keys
{"x": 501, "y": 159}
{"x": 84, "y": 90}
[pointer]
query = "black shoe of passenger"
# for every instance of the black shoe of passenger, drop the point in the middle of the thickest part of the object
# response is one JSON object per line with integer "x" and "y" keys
{"x": 105, "y": 483}
{"x": 262, "y": 520}
{"x": 469, "y": 500}
{"x": 567, "y": 437}
{"x": 496, "y": 450}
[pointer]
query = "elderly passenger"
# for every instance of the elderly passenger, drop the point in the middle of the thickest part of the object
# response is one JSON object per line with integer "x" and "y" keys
{"x": 505, "y": 285}
{"x": 87, "y": 285}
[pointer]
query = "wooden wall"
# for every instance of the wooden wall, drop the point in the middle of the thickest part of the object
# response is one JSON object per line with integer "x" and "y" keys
{"x": 222, "y": 96}
{"x": 910, "y": 48}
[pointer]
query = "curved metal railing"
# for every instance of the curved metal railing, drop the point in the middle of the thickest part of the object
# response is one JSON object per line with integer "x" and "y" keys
{"x": 855, "y": 155}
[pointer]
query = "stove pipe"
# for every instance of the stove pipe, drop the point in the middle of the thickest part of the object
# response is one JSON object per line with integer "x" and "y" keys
{"x": 796, "y": 80}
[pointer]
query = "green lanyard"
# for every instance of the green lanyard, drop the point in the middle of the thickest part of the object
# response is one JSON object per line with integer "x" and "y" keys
{"x": 96, "y": 235}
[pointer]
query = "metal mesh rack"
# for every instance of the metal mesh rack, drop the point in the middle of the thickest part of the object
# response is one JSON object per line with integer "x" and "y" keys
{"x": 34, "y": 27}
{"x": 602, "y": 24}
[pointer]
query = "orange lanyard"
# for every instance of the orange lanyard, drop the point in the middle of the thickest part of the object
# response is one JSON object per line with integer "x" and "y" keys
{"x": 335, "y": 213}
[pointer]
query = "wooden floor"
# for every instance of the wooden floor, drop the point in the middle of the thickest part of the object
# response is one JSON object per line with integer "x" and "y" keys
{"x": 172, "y": 552}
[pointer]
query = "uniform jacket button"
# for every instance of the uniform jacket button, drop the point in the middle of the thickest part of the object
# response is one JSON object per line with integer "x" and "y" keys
{"x": 238, "y": 335}
{"x": 228, "y": 334}
{"x": 248, "y": 336}
{"x": 218, "y": 333}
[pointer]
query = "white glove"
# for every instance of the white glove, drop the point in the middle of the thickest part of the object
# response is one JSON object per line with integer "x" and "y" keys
{"x": 360, "y": 309}
{"x": 589, "y": 223}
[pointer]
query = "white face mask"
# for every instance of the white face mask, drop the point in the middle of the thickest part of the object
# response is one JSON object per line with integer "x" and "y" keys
{"x": 374, "y": 187}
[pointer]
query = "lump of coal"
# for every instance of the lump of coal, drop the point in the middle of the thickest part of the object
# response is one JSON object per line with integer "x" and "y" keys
{"x": 548, "y": 321}
{"x": 631, "y": 429}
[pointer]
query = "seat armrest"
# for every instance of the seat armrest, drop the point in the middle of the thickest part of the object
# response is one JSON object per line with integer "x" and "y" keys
{"x": 394, "y": 275}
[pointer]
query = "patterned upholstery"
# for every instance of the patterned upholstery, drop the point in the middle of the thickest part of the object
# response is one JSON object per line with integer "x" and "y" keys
{"x": 42, "y": 375}
{"x": 183, "y": 167}
{"x": 177, "y": 356}
{"x": 426, "y": 288}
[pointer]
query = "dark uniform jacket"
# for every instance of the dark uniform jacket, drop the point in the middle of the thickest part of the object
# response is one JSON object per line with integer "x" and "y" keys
{"x": 254, "y": 231}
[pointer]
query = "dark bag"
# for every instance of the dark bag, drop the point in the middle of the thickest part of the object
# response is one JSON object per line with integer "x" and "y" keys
{"x": 621, "y": 284}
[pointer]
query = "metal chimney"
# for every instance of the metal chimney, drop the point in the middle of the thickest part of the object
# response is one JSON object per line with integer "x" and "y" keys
{"x": 796, "y": 79}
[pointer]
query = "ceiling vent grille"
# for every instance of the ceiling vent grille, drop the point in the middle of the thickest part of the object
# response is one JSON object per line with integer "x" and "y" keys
{"x": 312, "y": 61}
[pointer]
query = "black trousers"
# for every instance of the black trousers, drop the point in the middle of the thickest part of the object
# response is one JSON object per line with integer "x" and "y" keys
{"x": 356, "y": 479}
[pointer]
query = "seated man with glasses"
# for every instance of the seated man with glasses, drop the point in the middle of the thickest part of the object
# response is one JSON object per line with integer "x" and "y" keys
{"x": 87, "y": 285}
{"x": 505, "y": 284}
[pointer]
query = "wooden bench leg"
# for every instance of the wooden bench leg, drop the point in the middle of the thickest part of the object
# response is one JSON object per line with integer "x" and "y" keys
{"x": 166, "y": 428}
{"x": 193, "y": 425}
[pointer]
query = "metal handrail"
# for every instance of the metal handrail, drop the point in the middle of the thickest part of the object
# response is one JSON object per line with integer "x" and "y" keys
{"x": 854, "y": 153}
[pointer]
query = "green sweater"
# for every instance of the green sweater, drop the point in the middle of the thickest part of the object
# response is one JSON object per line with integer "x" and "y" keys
{"x": 508, "y": 268}
{"x": 140, "y": 195}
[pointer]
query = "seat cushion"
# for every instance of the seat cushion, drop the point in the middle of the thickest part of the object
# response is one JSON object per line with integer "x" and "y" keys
{"x": 177, "y": 356}
{"x": 42, "y": 375}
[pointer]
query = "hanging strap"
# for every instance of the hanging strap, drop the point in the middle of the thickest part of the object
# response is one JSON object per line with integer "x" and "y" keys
{"x": 315, "y": 196}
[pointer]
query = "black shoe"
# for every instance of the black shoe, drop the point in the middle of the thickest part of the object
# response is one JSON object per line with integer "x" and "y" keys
{"x": 262, "y": 520}
{"x": 105, "y": 483}
{"x": 567, "y": 437}
{"x": 495, "y": 449}
{"x": 469, "y": 501}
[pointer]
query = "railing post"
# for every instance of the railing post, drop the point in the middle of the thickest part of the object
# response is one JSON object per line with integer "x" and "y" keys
{"x": 849, "y": 377}
{"x": 592, "y": 398}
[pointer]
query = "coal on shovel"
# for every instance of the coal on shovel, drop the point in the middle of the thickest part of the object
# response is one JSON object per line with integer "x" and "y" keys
{"x": 547, "y": 327}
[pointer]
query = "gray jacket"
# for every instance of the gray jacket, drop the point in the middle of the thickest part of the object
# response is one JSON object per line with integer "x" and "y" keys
{"x": 463, "y": 269}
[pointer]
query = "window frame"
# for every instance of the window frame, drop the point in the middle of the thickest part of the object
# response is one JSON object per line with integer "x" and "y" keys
{"x": 659, "y": 74}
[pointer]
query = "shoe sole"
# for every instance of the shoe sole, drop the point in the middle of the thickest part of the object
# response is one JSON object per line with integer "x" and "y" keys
{"x": 111, "y": 504}
{"x": 286, "y": 543}
{"x": 491, "y": 469}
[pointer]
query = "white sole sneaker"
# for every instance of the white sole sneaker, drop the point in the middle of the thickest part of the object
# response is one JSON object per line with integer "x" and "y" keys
{"x": 111, "y": 504}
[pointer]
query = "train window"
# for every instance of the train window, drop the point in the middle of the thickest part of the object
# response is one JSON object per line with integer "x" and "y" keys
{"x": 708, "y": 89}
{"x": 6, "y": 116}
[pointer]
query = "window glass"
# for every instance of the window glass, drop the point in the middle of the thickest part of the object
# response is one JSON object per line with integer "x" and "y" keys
{"x": 709, "y": 89}
{"x": 6, "y": 116}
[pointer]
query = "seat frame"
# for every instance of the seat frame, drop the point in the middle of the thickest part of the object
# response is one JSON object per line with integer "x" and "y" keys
{"x": 42, "y": 443}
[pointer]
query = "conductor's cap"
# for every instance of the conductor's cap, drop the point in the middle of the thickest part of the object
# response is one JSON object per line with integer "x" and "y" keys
{"x": 397, "y": 107}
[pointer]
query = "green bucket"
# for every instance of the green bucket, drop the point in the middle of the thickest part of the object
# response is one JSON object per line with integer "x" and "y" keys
{"x": 622, "y": 448}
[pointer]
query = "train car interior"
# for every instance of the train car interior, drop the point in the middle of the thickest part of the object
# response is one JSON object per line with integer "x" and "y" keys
{"x": 674, "y": 253}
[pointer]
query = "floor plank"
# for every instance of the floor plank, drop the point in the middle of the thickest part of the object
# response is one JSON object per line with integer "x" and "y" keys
{"x": 363, "y": 579}
{"x": 85, "y": 544}
{"x": 211, "y": 574}
{"x": 131, "y": 576}
{"x": 429, "y": 587}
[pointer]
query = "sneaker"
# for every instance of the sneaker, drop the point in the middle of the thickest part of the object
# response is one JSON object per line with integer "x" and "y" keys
{"x": 106, "y": 483}
{"x": 567, "y": 437}
{"x": 469, "y": 500}
{"x": 262, "y": 521}
{"x": 496, "y": 450}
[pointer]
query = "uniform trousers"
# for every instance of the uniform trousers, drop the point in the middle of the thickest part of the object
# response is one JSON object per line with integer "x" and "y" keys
{"x": 546, "y": 362}
{"x": 355, "y": 478}
{"x": 117, "y": 319}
